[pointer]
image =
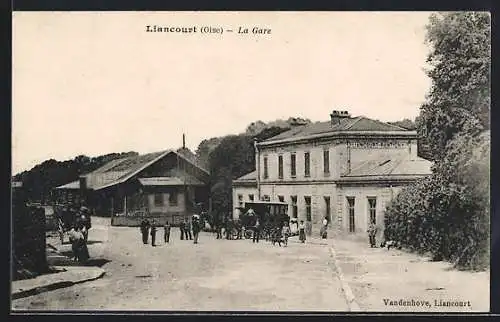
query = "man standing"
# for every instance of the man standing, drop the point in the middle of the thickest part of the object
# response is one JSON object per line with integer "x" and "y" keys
{"x": 218, "y": 228}
{"x": 182, "y": 227}
{"x": 153, "y": 233}
{"x": 144, "y": 231}
{"x": 196, "y": 228}
{"x": 188, "y": 230}
{"x": 324, "y": 232}
{"x": 256, "y": 231}
{"x": 372, "y": 231}
{"x": 166, "y": 235}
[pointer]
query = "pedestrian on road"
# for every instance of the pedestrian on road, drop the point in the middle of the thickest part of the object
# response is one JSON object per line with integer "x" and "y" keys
{"x": 196, "y": 228}
{"x": 372, "y": 232}
{"x": 302, "y": 232}
{"x": 218, "y": 228}
{"x": 182, "y": 227}
{"x": 256, "y": 231}
{"x": 153, "y": 233}
{"x": 144, "y": 231}
{"x": 188, "y": 230}
{"x": 286, "y": 232}
{"x": 324, "y": 228}
{"x": 166, "y": 235}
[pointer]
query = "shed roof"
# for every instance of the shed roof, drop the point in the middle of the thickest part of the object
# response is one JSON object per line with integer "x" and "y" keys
{"x": 399, "y": 166}
{"x": 72, "y": 185}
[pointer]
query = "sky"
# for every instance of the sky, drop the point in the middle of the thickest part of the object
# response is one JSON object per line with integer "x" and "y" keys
{"x": 94, "y": 83}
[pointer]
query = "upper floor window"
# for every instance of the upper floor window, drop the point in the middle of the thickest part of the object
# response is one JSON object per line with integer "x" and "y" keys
{"x": 326, "y": 161}
{"x": 293, "y": 165}
{"x": 280, "y": 166}
{"x": 266, "y": 173}
{"x": 240, "y": 200}
{"x": 307, "y": 164}
{"x": 250, "y": 197}
{"x": 281, "y": 198}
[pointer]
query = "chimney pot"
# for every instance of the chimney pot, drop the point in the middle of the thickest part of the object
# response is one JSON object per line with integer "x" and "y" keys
{"x": 337, "y": 115}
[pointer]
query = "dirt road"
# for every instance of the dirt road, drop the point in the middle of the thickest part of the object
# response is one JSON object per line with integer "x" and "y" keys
{"x": 210, "y": 276}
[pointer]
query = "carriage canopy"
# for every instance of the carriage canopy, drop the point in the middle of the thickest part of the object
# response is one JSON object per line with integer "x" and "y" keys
{"x": 265, "y": 211}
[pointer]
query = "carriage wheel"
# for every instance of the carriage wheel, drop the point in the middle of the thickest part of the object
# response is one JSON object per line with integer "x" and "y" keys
{"x": 248, "y": 234}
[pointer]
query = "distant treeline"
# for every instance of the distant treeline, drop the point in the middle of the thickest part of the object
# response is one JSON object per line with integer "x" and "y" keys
{"x": 227, "y": 161}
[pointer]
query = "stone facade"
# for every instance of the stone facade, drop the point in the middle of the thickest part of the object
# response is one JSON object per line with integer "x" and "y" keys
{"x": 325, "y": 179}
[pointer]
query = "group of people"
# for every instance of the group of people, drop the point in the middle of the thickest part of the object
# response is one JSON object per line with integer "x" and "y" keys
{"x": 190, "y": 230}
{"x": 78, "y": 235}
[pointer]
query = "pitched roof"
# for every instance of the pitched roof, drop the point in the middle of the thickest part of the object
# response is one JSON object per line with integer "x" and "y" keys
{"x": 72, "y": 185}
{"x": 388, "y": 167}
{"x": 356, "y": 124}
{"x": 251, "y": 176}
{"x": 118, "y": 171}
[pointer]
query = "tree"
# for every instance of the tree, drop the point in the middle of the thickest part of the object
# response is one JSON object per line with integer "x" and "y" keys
{"x": 459, "y": 99}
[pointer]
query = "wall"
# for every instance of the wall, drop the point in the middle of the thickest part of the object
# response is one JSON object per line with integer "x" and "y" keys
{"x": 167, "y": 207}
{"x": 317, "y": 192}
{"x": 341, "y": 152}
{"x": 383, "y": 193}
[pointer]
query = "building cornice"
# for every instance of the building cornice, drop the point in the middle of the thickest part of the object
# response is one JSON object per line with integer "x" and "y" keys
{"x": 401, "y": 179}
{"x": 341, "y": 135}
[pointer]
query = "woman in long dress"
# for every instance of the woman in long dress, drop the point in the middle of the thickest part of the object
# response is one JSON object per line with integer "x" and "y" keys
{"x": 302, "y": 232}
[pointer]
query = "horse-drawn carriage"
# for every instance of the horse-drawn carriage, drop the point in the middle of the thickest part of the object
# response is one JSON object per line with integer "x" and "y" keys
{"x": 271, "y": 215}
{"x": 68, "y": 217}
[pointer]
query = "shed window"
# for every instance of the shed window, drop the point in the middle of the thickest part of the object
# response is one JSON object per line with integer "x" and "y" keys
{"x": 173, "y": 198}
{"x": 158, "y": 199}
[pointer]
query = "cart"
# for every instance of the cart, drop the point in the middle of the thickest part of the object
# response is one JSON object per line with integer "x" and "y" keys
{"x": 271, "y": 215}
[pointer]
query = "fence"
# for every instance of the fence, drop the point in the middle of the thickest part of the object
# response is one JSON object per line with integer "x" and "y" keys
{"x": 134, "y": 219}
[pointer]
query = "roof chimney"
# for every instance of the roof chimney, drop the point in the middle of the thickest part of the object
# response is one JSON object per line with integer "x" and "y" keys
{"x": 183, "y": 141}
{"x": 337, "y": 115}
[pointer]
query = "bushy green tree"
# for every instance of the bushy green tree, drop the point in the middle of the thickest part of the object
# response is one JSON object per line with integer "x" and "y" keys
{"x": 459, "y": 99}
{"x": 447, "y": 214}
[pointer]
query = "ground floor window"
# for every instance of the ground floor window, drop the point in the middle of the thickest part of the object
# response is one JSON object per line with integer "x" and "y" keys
{"x": 294, "y": 207}
{"x": 372, "y": 209}
{"x": 328, "y": 209}
{"x": 158, "y": 199}
{"x": 308, "y": 208}
{"x": 173, "y": 198}
{"x": 350, "y": 207}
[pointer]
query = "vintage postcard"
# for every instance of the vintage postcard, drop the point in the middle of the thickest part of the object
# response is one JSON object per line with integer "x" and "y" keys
{"x": 251, "y": 161}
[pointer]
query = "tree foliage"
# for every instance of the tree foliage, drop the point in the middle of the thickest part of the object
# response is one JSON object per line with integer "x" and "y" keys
{"x": 459, "y": 99}
{"x": 40, "y": 180}
{"x": 447, "y": 214}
